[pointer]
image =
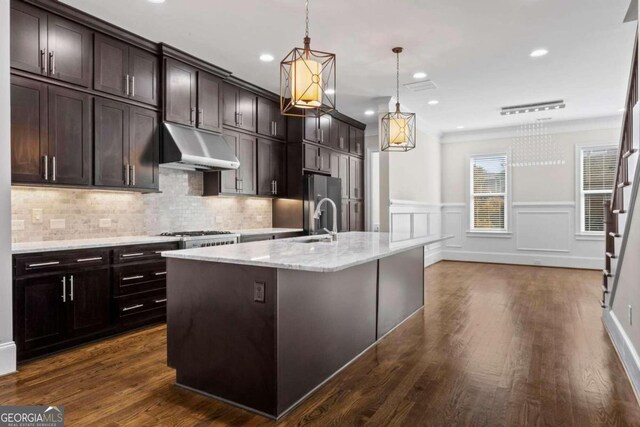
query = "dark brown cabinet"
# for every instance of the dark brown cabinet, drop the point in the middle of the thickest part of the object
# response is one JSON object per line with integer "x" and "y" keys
{"x": 50, "y": 134}
{"x": 121, "y": 69}
{"x": 340, "y": 169}
{"x": 242, "y": 180}
{"x": 318, "y": 129}
{"x": 126, "y": 146}
{"x": 49, "y": 45}
{"x": 270, "y": 121}
{"x": 271, "y": 168}
{"x": 356, "y": 141}
{"x": 316, "y": 158}
{"x": 344, "y": 223}
{"x": 89, "y": 301}
{"x": 356, "y": 215}
{"x": 239, "y": 108}
{"x": 180, "y": 92}
{"x": 356, "y": 178}
{"x": 209, "y": 111}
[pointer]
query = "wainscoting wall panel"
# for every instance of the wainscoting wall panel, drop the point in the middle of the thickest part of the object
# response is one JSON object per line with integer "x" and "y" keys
{"x": 417, "y": 219}
{"x": 543, "y": 231}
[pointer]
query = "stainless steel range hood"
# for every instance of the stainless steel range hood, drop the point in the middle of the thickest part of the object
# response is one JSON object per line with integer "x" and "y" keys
{"x": 192, "y": 149}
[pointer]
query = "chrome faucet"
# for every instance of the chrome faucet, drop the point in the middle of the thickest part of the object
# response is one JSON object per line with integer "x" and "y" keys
{"x": 316, "y": 215}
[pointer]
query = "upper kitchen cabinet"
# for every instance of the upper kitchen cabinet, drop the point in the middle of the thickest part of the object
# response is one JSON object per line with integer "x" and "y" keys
{"x": 339, "y": 135}
{"x": 126, "y": 146}
{"x": 356, "y": 178}
{"x": 318, "y": 129}
{"x": 180, "y": 92}
{"x": 124, "y": 70}
{"x": 50, "y": 134}
{"x": 242, "y": 180}
{"x": 192, "y": 96}
{"x": 271, "y": 168}
{"x": 270, "y": 121}
{"x": 46, "y": 44}
{"x": 356, "y": 141}
{"x": 239, "y": 108}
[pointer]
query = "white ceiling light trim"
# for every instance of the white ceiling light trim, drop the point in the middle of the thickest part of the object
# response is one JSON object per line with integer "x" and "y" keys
{"x": 434, "y": 102}
{"x": 539, "y": 53}
{"x": 420, "y": 75}
{"x": 266, "y": 57}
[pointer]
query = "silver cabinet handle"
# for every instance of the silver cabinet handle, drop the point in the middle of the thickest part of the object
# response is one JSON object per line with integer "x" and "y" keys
{"x": 46, "y": 167}
{"x": 321, "y": 135}
{"x": 126, "y": 90}
{"x": 273, "y": 187}
{"x": 52, "y": 63}
{"x": 133, "y": 307}
{"x": 132, "y": 255}
{"x": 53, "y": 168}
{"x": 71, "y": 294}
{"x": 241, "y": 118}
{"x": 158, "y": 301}
{"x": 43, "y": 65}
{"x": 133, "y": 85}
{"x": 200, "y": 116}
{"x": 193, "y": 110}
{"x": 133, "y": 175}
{"x": 276, "y": 126}
{"x": 43, "y": 264}
{"x": 126, "y": 175}
{"x": 160, "y": 273}
{"x": 98, "y": 258}
{"x": 64, "y": 289}
{"x": 125, "y": 279}
{"x": 276, "y": 187}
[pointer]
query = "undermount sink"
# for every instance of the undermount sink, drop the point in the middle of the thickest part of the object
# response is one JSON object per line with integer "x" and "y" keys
{"x": 315, "y": 239}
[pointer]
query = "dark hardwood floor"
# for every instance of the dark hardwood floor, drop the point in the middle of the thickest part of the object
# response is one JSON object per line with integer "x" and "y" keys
{"x": 496, "y": 345}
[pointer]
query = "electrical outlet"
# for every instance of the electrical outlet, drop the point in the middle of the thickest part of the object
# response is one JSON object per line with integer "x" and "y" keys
{"x": 37, "y": 216}
{"x": 258, "y": 291}
{"x": 104, "y": 223}
{"x": 630, "y": 315}
{"x": 17, "y": 224}
{"x": 57, "y": 224}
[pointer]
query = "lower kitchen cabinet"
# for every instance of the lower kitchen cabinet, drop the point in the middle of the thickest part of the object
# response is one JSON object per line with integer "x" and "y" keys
{"x": 89, "y": 300}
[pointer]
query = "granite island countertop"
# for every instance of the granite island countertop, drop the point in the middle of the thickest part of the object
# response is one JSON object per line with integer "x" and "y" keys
{"x": 351, "y": 249}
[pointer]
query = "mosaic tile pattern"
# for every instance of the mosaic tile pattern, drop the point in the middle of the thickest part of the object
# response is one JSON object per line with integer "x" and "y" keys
{"x": 179, "y": 206}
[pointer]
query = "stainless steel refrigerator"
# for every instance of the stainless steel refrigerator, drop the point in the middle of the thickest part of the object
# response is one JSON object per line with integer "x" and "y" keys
{"x": 316, "y": 188}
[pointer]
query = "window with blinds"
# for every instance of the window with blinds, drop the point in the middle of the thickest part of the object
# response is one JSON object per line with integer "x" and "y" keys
{"x": 597, "y": 178}
{"x": 488, "y": 193}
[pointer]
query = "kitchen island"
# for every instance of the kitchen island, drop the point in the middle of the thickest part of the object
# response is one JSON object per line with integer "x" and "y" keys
{"x": 262, "y": 325}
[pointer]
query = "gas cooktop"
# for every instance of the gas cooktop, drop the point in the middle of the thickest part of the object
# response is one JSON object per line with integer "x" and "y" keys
{"x": 195, "y": 233}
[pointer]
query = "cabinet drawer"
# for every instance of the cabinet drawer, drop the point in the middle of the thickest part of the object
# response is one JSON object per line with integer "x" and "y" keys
{"x": 128, "y": 254}
{"x": 131, "y": 279}
{"x": 49, "y": 262}
{"x": 142, "y": 307}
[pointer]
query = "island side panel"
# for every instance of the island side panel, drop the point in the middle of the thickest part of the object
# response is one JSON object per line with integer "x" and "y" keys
{"x": 219, "y": 340}
{"x": 324, "y": 321}
{"x": 400, "y": 288}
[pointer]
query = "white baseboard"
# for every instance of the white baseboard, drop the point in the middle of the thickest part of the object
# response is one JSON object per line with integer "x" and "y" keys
{"x": 7, "y": 358}
{"x": 525, "y": 259}
{"x": 624, "y": 347}
{"x": 432, "y": 257}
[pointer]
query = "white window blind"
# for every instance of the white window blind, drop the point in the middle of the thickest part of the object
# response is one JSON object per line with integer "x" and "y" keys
{"x": 488, "y": 192}
{"x": 598, "y": 172}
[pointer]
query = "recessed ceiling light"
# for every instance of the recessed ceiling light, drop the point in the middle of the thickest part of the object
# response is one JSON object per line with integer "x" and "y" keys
{"x": 538, "y": 53}
{"x": 156, "y": 1}
{"x": 265, "y": 57}
{"x": 622, "y": 110}
{"x": 434, "y": 102}
{"x": 369, "y": 113}
{"x": 460, "y": 127}
{"x": 330, "y": 91}
{"x": 420, "y": 75}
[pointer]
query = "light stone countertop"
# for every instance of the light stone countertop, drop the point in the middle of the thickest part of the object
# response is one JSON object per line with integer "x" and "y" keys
{"x": 105, "y": 242}
{"x": 258, "y": 231}
{"x": 351, "y": 249}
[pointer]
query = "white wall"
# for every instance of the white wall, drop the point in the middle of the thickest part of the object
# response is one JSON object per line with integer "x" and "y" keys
{"x": 7, "y": 347}
{"x": 543, "y": 209}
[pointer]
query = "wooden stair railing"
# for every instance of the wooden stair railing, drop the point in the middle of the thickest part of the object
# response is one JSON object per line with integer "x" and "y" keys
{"x": 615, "y": 207}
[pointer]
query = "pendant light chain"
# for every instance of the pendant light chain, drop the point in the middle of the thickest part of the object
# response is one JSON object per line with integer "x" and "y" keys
{"x": 398, "y": 77}
{"x": 306, "y": 22}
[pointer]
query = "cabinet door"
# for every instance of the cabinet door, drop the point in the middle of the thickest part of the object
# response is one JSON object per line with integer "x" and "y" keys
{"x": 356, "y": 141}
{"x": 343, "y": 136}
{"x": 144, "y": 148}
{"x": 344, "y": 224}
{"x": 247, "y": 110}
{"x": 335, "y": 163}
{"x": 343, "y": 173}
{"x": 325, "y": 129}
{"x": 228, "y": 183}
{"x": 311, "y": 129}
{"x": 28, "y": 38}
{"x": 111, "y": 133}
{"x": 89, "y": 297}
{"x": 70, "y": 136}
{"x": 356, "y": 215}
{"x": 325, "y": 160}
{"x": 143, "y": 69}
{"x": 247, "y": 170}
{"x": 111, "y": 65}
{"x": 279, "y": 168}
{"x": 180, "y": 92}
{"x": 69, "y": 46}
{"x": 266, "y": 123}
{"x": 353, "y": 182}
{"x": 230, "y": 105}
{"x": 28, "y": 131}
{"x": 334, "y": 133}
{"x": 311, "y": 157}
{"x": 209, "y": 111}
{"x": 265, "y": 177}
{"x": 281, "y": 123}
{"x": 40, "y": 312}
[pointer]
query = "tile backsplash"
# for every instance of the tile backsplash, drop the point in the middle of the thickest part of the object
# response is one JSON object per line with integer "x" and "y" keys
{"x": 40, "y": 214}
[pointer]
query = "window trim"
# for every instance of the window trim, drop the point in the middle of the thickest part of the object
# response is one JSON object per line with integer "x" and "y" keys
{"x": 471, "y": 196}
{"x": 580, "y": 193}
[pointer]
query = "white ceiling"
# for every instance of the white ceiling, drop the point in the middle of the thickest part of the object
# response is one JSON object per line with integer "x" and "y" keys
{"x": 476, "y": 51}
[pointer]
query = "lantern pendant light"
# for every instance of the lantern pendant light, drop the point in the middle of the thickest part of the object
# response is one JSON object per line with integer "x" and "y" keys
{"x": 307, "y": 80}
{"x": 398, "y": 128}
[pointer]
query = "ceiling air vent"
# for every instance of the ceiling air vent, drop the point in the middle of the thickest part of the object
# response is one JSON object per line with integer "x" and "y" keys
{"x": 421, "y": 86}
{"x": 532, "y": 108}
